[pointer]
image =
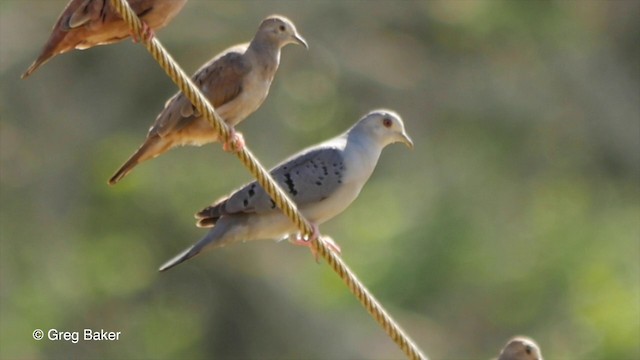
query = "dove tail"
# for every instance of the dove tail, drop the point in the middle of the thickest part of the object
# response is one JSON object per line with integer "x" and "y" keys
{"x": 151, "y": 148}
{"x": 214, "y": 238}
{"x": 53, "y": 47}
{"x": 43, "y": 58}
{"x": 180, "y": 258}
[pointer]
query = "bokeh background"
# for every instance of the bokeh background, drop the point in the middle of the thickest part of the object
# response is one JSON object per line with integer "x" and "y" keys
{"x": 518, "y": 212}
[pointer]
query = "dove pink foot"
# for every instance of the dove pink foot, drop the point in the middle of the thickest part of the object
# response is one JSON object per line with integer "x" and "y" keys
{"x": 327, "y": 241}
{"x": 235, "y": 143}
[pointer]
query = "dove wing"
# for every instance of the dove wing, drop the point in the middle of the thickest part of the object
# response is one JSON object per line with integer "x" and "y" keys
{"x": 220, "y": 80}
{"x": 309, "y": 178}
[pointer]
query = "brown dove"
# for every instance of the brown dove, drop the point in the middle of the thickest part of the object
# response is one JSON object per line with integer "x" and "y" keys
{"x": 236, "y": 82}
{"x": 87, "y": 23}
{"x": 520, "y": 348}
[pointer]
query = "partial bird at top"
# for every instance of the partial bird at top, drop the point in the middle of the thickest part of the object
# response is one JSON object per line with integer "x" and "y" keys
{"x": 520, "y": 348}
{"x": 87, "y": 23}
{"x": 236, "y": 82}
{"x": 322, "y": 181}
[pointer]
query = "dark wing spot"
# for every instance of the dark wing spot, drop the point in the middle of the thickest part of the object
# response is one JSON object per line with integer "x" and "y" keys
{"x": 289, "y": 182}
{"x": 245, "y": 202}
{"x": 319, "y": 183}
{"x": 251, "y": 190}
{"x": 273, "y": 204}
{"x": 325, "y": 170}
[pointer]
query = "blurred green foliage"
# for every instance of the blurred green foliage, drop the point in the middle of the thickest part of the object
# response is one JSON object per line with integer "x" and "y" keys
{"x": 517, "y": 213}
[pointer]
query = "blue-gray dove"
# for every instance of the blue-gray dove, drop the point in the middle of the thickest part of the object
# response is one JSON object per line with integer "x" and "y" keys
{"x": 520, "y": 348}
{"x": 87, "y": 23}
{"x": 322, "y": 181}
{"x": 236, "y": 82}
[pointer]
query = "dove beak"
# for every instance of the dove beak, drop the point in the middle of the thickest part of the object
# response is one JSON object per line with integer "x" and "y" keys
{"x": 405, "y": 139}
{"x": 300, "y": 40}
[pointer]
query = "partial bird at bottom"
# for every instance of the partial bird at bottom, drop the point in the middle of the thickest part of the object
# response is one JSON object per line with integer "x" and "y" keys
{"x": 520, "y": 348}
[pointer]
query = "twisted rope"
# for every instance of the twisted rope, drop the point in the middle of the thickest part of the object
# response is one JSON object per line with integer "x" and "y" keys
{"x": 268, "y": 184}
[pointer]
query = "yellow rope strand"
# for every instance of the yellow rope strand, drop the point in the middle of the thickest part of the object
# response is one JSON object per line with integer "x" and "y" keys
{"x": 268, "y": 184}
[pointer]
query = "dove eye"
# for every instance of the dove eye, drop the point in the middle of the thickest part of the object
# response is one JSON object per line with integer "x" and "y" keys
{"x": 527, "y": 349}
{"x": 387, "y": 122}
{"x": 281, "y": 27}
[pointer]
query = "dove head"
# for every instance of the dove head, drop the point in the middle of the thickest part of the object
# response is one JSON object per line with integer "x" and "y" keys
{"x": 280, "y": 31}
{"x": 520, "y": 348}
{"x": 385, "y": 127}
